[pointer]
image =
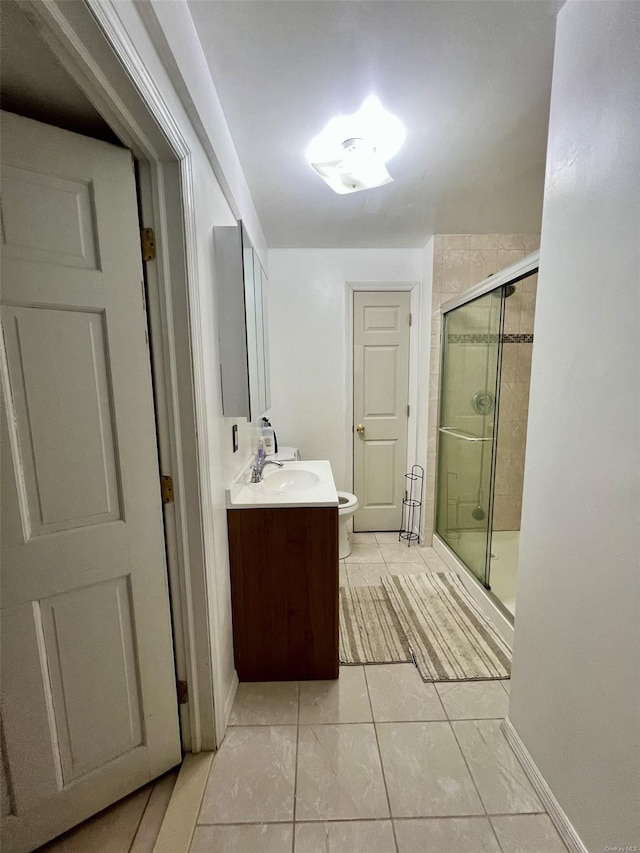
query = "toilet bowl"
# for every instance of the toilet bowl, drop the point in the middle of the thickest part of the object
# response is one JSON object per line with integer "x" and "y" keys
{"x": 347, "y": 505}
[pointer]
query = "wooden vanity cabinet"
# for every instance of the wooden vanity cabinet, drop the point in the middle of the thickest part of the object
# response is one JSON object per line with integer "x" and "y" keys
{"x": 284, "y": 590}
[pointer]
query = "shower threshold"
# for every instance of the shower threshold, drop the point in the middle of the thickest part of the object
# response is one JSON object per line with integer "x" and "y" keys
{"x": 488, "y": 602}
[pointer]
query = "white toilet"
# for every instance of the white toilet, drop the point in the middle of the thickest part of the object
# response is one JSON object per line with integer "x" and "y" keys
{"x": 347, "y": 505}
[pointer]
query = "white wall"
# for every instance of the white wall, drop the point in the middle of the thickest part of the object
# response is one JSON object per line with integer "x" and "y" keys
{"x": 307, "y": 332}
{"x": 425, "y": 360}
{"x": 575, "y": 693}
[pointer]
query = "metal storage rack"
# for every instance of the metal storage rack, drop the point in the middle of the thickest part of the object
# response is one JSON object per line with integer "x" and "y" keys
{"x": 412, "y": 506}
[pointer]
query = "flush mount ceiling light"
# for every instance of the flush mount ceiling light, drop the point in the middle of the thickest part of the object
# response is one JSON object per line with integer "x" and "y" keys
{"x": 351, "y": 152}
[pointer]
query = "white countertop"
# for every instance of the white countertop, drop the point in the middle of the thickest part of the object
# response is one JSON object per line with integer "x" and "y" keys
{"x": 246, "y": 495}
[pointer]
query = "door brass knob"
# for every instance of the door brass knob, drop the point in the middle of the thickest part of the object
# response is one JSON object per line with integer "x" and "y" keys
{"x": 360, "y": 429}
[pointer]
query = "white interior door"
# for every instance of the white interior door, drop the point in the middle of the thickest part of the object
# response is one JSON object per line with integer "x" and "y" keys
{"x": 89, "y": 708}
{"x": 380, "y": 406}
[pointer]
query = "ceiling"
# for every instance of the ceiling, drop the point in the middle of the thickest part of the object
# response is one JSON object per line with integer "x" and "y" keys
{"x": 470, "y": 80}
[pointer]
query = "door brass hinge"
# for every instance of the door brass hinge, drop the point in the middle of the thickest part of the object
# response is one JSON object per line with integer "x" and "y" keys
{"x": 410, "y": 318}
{"x": 148, "y": 244}
{"x": 408, "y": 410}
{"x": 182, "y": 689}
{"x": 166, "y": 489}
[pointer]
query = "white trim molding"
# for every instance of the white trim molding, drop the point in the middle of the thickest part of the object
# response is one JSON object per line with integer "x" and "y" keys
{"x": 172, "y": 31}
{"x": 181, "y": 816}
{"x": 196, "y": 589}
{"x": 200, "y": 631}
{"x": 231, "y": 695}
{"x": 559, "y": 819}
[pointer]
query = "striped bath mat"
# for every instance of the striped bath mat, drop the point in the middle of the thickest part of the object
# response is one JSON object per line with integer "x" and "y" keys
{"x": 450, "y": 638}
{"x": 370, "y": 631}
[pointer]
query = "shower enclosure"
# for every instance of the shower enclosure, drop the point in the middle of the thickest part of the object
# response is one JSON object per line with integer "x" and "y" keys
{"x": 484, "y": 393}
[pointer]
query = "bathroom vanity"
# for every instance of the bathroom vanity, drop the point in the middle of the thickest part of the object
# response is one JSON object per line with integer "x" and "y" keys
{"x": 283, "y": 550}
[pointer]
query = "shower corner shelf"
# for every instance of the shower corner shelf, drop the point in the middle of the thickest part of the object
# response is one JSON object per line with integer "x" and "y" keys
{"x": 412, "y": 506}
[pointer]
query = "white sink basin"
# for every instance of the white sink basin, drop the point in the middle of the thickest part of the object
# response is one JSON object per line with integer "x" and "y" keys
{"x": 297, "y": 484}
{"x": 287, "y": 480}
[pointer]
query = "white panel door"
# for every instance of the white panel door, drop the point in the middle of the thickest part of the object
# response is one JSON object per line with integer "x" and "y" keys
{"x": 88, "y": 693}
{"x": 380, "y": 407}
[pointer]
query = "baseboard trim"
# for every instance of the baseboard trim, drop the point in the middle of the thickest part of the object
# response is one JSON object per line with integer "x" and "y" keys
{"x": 178, "y": 826}
{"x": 559, "y": 819}
{"x": 228, "y": 704}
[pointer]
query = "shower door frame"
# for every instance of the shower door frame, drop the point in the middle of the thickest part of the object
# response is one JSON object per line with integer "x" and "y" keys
{"x": 510, "y": 275}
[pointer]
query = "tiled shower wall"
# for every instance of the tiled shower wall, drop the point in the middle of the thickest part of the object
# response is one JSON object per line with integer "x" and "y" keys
{"x": 515, "y": 380}
{"x": 459, "y": 262}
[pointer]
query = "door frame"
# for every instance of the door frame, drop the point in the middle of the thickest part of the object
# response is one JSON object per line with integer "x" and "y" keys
{"x": 412, "y": 423}
{"x": 135, "y": 109}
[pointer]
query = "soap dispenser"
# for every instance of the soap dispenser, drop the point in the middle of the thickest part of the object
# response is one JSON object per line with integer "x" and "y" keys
{"x": 268, "y": 438}
{"x": 260, "y": 452}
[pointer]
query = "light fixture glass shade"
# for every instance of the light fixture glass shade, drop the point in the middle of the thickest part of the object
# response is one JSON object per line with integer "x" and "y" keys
{"x": 351, "y": 152}
{"x": 359, "y": 168}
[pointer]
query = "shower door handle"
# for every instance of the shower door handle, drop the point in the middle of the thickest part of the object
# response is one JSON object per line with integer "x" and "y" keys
{"x": 456, "y": 434}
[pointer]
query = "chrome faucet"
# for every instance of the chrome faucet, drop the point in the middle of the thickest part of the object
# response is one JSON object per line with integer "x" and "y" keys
{"x": 258, "y": 467}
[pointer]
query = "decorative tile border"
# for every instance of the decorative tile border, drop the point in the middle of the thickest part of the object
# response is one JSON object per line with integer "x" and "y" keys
{"x": 487, "y": 338}
{"x": 481, "y": 338}
{"x": 517, "y": 339}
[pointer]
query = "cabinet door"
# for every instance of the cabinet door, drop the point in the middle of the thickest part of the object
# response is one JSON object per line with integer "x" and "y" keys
{"x": 259, "y": 303}
{"x": 265, "y": 332}
{"x": 232, "y": 323}
{"x": 244, "y": 359}
{"x": 253, "y": 323}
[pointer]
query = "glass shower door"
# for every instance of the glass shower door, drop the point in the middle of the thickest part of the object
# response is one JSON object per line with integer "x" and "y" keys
{"x": 466, "y": 437}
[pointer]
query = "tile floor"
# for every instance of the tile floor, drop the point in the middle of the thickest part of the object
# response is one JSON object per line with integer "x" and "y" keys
{"x": 376, "y": 554}
{"x": 377, "y": 761}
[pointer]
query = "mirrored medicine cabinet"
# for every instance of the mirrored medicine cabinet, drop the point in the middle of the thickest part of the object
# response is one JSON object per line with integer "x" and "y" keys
{"x": 243, "y": 324}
